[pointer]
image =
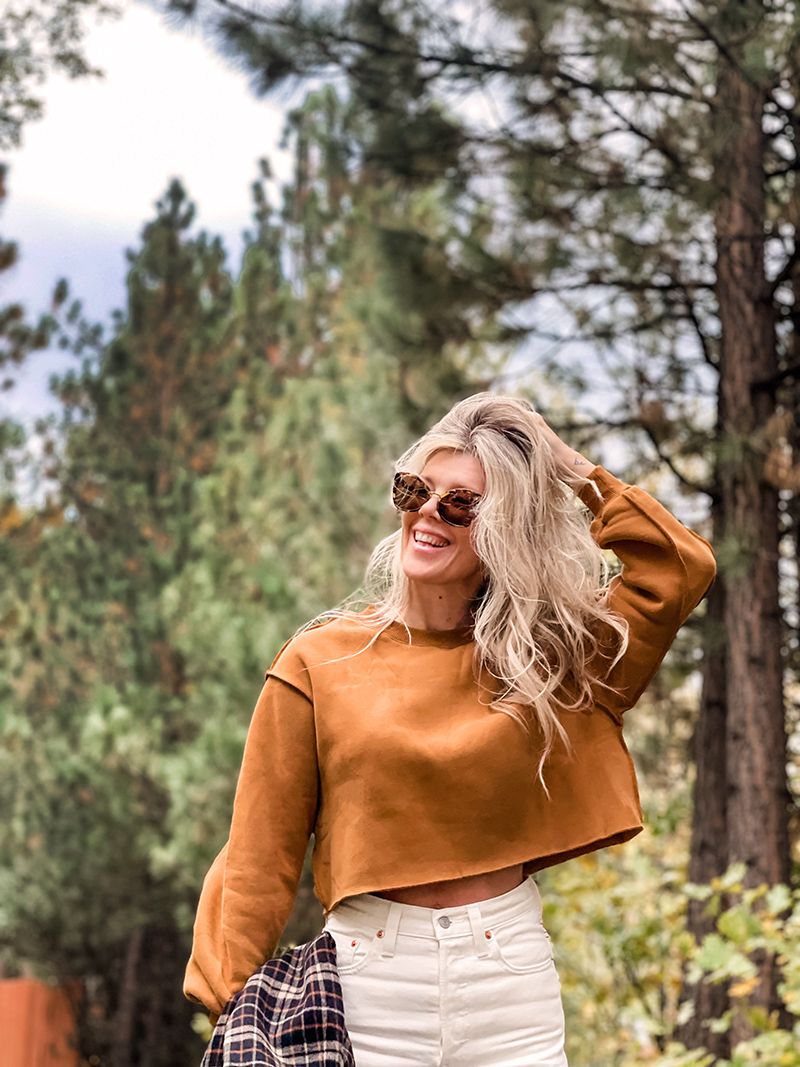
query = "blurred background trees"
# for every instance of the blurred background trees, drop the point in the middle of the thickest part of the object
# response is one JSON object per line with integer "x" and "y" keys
{"x": 593, "y": 203}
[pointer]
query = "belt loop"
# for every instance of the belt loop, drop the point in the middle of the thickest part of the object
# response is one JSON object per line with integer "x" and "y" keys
{"x": 392, "y": 926}
{"x": 536, "y": 897}
{"x": 478, "y": 926}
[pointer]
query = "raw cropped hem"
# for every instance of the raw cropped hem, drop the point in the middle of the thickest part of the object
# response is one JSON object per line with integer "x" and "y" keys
{"x": 452, "y": 872}
{"x": 562, "y": 857}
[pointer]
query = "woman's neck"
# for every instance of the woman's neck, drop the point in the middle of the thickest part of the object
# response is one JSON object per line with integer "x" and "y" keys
{"x": 436, "y": 608}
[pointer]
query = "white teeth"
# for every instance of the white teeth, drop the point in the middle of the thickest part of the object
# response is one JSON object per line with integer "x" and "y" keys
{"x": 426, "y": 539}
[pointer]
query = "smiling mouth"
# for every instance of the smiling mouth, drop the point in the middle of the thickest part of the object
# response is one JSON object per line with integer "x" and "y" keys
{"x": 429, "y": 539}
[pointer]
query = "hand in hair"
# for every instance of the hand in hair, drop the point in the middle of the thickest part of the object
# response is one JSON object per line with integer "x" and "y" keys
{"x": 568, "y": 461}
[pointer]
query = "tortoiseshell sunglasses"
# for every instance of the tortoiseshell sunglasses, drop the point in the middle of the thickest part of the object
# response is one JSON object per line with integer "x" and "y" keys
{"x": 456, "y": 507}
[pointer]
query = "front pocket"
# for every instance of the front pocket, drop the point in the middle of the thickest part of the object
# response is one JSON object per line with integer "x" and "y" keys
{"x": 522, "y": 947}
{"x": 353, "y": 950}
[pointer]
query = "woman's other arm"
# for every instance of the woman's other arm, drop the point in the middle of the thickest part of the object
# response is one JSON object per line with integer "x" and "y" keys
{"x": 249, "y": 891}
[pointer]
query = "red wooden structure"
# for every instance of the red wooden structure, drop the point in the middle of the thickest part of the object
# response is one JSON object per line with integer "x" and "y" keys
{"x": 37, "y": 1025}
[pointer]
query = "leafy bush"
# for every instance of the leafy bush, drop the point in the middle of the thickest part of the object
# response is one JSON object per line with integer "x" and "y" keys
{"x": 755, "y": 927}
{"x": 617, "y": 919}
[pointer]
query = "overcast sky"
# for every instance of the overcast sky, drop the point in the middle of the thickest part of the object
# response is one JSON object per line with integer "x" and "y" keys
{"x": 88, "y": 174}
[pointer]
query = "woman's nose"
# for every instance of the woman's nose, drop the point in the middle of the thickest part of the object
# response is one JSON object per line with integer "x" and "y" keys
{"x": 431, "y": 506}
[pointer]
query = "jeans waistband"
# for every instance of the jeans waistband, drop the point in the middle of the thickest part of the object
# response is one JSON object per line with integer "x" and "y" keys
{"x": 387, "y": 919}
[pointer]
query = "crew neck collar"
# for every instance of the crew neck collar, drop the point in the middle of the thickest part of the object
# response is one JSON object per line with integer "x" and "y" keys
{"x": 399, "y": 632}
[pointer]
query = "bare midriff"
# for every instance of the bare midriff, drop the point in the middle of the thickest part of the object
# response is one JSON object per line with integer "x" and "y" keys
{"x": 457, "y": 892}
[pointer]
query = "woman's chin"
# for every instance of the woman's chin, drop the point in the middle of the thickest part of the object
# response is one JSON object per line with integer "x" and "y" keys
{"x": 419, "y": 573}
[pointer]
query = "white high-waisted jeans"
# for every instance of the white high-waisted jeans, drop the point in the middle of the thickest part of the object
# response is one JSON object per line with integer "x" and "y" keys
{"x": 473, "y": 986}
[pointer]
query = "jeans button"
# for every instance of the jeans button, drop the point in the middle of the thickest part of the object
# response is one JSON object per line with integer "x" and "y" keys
{"x": 444, "y": 922}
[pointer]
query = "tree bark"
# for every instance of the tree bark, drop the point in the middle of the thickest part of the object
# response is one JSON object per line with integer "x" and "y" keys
{"x": 741, "y": 734}
{"x": 710, "y": 821}
{"x": 121, "y": 1049}
{"x": 757, "y": 821}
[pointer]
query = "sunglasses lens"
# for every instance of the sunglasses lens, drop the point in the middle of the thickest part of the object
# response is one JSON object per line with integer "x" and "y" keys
{"x": 458, "y": 507}
{"x": 409, "y": 492}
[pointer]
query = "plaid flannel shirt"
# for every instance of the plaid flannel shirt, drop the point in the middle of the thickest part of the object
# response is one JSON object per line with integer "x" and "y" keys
{"x": 289, "y": 1013}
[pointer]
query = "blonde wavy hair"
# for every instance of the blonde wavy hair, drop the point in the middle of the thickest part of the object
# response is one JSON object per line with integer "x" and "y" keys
{"x": 541, "y": 617}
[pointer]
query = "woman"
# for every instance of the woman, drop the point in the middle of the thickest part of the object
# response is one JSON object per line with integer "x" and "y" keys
{"x": 460, "y": 734}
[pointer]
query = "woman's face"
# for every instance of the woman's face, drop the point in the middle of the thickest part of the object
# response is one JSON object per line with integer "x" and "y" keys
{"x": 431, "y": 551}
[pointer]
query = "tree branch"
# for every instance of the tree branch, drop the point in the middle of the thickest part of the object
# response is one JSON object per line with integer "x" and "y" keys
{"x": 769, "y": 385}
{"x": 696, "y": 487}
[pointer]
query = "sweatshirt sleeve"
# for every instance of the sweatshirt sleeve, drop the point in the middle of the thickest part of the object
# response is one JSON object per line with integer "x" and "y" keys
{"x": 249, "y": 892}
{"x": 666, "y": 571}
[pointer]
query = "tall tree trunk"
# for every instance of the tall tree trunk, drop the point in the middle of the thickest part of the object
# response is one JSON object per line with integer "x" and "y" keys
{"x": 164, "y": 1035}
{"x": 710, "y": 821}
{"x": 754, "y": 762}
{"x": 121, "y": 1049}
{"x": 756, "y": 738}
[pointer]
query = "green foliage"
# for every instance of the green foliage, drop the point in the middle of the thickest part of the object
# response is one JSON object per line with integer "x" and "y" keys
{"x": 397, "y": 255}
{"x": 754, "y": 928}
{"x": 618, "y": 924}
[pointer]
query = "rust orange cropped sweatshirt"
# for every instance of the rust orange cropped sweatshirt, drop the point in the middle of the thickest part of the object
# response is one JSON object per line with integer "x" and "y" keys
{"x": 387, "y": 751}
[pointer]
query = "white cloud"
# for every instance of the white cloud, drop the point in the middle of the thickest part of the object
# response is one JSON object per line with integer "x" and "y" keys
{"x": 166, "y": 107}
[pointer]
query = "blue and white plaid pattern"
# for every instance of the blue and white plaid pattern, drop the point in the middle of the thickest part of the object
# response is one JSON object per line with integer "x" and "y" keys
{"x": 289, "y": 1013}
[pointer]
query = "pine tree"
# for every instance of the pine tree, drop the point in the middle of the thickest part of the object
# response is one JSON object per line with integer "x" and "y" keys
{"x": 93, "y": 700}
